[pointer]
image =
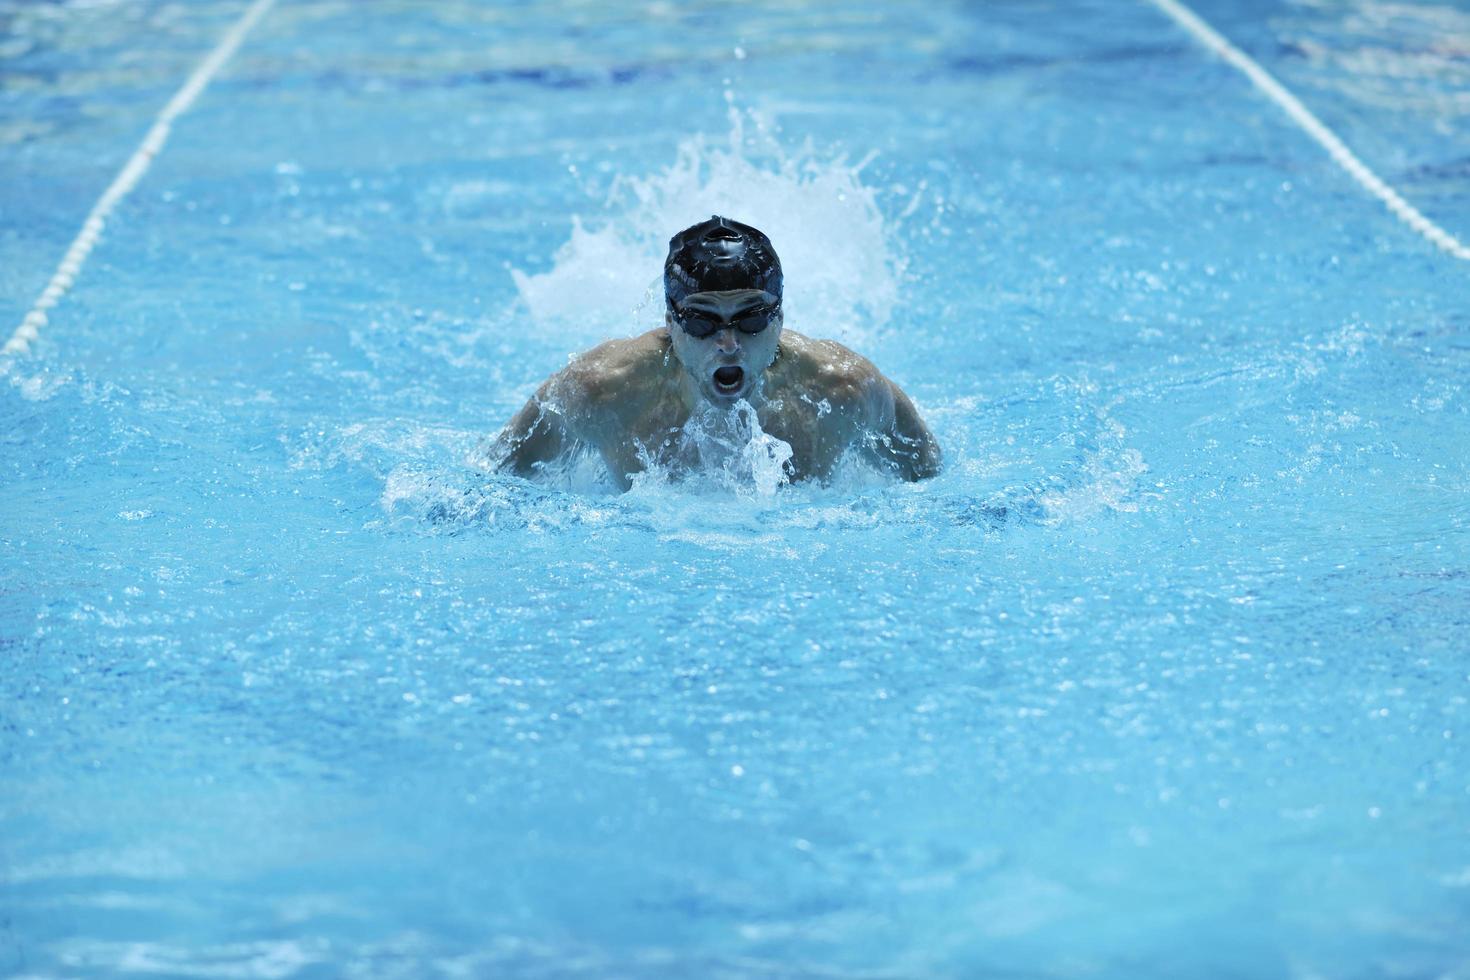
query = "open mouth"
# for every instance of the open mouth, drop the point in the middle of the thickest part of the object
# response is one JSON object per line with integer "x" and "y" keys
{"x": 729, "y": 379}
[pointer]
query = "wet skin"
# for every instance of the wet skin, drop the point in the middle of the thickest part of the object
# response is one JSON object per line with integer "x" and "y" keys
{"x": 628, "y": 400}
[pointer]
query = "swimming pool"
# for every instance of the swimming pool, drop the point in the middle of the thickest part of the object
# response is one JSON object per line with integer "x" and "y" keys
{"x": 1165, "y": 675}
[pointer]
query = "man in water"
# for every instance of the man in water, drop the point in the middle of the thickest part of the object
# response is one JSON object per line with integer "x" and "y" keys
{"x": 721, "y": 352}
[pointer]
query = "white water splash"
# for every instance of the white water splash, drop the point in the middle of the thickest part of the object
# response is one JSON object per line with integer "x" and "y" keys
{"x": 842, "y": 271}
{"x": 39, "y": 387}
{"x": 1108, "y": 479}
{"x": 723, "y": 450}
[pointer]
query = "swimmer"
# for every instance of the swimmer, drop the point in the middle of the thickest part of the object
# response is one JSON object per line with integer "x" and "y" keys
{"x": 722, "y": 347}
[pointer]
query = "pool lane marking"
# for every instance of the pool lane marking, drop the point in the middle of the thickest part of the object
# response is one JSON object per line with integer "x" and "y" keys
{"x": 127, "y": 178}
{"x": 1314, "y": 128}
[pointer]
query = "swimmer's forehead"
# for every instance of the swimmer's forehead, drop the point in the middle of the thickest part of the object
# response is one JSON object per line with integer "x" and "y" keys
{"x": 722, "y": 300}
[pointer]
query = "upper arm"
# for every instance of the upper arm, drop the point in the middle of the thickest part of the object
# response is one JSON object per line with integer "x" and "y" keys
{"x": 908, "y": 444}
{"x": 545, "y": 428}
{"x": 572, "y": 407}
{"x": 895, "y": 434}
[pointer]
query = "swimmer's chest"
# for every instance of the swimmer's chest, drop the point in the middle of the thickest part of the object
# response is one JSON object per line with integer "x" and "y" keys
{"x": 662, "y": 436}
{"x": 816, "y": 436}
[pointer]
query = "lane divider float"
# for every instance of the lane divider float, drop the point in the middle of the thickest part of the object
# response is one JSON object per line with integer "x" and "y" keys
{"x": 76, "y": 255}
{"x": 1314, "y": 127}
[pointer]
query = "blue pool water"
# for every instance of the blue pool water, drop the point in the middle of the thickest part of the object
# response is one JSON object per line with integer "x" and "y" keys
{"x": 1165, "y": 675}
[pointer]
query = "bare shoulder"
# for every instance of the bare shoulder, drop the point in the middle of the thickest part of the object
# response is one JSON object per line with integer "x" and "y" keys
{"x": 616, "y": 368}
{"x": 892, "y": 431}
{"x": 836, "y": 369}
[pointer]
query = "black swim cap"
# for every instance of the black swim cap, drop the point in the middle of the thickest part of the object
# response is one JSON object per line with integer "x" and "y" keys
{"x": 720, "y": 254}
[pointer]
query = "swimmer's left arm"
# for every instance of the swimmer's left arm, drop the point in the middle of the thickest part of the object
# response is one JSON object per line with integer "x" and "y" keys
{"x": 899, "y": 439}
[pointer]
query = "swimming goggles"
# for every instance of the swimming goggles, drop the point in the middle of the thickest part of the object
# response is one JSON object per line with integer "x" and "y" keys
{"x": 701, "y": 323}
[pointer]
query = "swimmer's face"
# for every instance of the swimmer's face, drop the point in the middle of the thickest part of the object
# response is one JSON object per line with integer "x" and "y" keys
{"x": 725, "y": 340}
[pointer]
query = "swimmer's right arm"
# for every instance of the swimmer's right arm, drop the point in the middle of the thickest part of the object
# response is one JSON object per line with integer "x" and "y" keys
{"x": 571, "y": 409}
{"x": 538, "y": 433}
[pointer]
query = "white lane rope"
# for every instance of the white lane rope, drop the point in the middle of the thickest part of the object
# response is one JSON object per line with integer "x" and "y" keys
{"x": 1302, "y": 116}
{"x": 127, "y": 178}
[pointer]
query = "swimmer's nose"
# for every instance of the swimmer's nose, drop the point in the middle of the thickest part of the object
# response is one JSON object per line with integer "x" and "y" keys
{"x": 726, "y": 342}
